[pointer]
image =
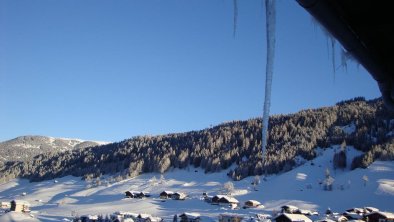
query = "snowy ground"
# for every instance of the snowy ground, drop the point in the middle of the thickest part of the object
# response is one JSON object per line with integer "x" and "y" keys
{"x": 300, "y": 187}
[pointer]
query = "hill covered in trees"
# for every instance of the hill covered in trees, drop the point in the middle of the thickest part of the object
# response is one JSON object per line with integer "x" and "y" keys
{"x": 366, "y": 125}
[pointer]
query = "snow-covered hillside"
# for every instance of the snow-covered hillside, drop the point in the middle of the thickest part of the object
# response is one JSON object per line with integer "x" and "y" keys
{"x": 55, "y": 200}
{"x": 25, "y": 147}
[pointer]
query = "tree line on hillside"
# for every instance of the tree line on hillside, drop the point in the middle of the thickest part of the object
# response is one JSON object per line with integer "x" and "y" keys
{"x": 237, "y": 142}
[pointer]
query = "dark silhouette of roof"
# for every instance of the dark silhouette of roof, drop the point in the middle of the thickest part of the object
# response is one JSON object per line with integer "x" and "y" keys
{"x": 365, "y": 28}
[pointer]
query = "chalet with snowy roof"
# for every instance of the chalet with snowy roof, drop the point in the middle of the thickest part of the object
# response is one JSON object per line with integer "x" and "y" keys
{"x": 285, "y": 217}
{"x": 148, "y": 218}
{"x": 290, "y": 209}
{"x": 20, "y": 206}
{"x": 353, "y": 215}
{"x": 123, "y": 216}
{"x": 136, "y": 194}
{"x": 166, "y": 195}
{"x": 189, "y": 217}
{"x": 252, "y": 204}
{"x": 371, "y": 209}
{"x": 178, "y": 196}
{"x": 226, "y": 217}
{"x": 380, "y": 217}
{"x": 223, "y": 199}
{"x": 5, "y": 205}
{"x": 89, "y": 218}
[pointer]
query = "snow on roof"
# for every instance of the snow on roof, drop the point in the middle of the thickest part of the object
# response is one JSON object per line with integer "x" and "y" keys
{"x": 228, "y": 198}
{"x": 289, "y": 207}
{"x": 372, "y": 209}
{"x": 191, "y": 215}
{"x": 384, "y": 214}
{"x": 253, "y": 202}
{"x": 296, "y": 217}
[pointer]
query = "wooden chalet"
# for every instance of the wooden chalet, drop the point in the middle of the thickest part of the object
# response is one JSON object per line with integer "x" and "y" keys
{"x": 148, "y": 218}
{"x": 223, "y": 199}
{"x": 252, "y": 204}
{"x": 285, "y": 217}
{"x": 136, "y": 194}
{"x": 380, "y": 217}
{"x": 166, "y": 195}
{"x": 20, "y": 206}
{"x": 89, "y": 218}
{"x": 230, "y": 217}
{"x": 189, "y": 217}
{"x": 289, "y": 209}
{"x": 178, "y": 196}
{"x": 5, "y": 205}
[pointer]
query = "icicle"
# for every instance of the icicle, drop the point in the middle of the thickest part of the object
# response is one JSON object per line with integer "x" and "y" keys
{"x": 270, "y": 29}
{"x": 235, "y": 17}
{"x": 344, "y": 59}
{"x": 333, "y": 55}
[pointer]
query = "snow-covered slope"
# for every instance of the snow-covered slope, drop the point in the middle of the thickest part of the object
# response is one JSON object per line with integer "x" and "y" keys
{"x": 55, "y": 200}
{"x": 25, "y": 147}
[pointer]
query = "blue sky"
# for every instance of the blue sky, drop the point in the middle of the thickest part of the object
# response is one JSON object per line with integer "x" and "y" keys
{"x": 109, "y": 70}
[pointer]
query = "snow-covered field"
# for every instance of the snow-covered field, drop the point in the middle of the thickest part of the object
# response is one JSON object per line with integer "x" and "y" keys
{"x": 300, "y": 187}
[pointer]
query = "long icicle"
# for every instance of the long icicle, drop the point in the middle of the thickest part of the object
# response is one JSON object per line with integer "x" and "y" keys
{"x": 235, "y": 17}
{"x": 270, "y": 29}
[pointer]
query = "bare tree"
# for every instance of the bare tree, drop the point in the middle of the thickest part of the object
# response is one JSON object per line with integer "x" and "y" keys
{"x": 228, "y": 187}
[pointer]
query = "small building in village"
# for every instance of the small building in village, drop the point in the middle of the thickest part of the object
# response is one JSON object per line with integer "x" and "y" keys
{"x": 137, "y": 194}
{"x": 20, "y": 206}
{"x": 223, "y": 199}
{"x": 178, "y": 196}
{"x": 289, "y": 209}
{"x": 124, "y": 216}
{"x": 380, "y": 217}
{"x": 285, "y": 217}
{"x": 189, "y": 217}
{"x": 166, "y": 195}
{"x": 226, "y": 217}
{"x": 89, "y": 218}
{"x": 252, "y": 204}
{"x": 5, "y": 205}
{"x": 148, "y": 218}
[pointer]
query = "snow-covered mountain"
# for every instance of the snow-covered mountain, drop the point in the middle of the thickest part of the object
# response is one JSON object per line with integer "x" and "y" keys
{"x": 26, "y": 147}
{"x": 58, "y": 200}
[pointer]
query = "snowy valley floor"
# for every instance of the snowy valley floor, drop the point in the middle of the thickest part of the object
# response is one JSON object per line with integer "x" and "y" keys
{"x": 300, "y": 187}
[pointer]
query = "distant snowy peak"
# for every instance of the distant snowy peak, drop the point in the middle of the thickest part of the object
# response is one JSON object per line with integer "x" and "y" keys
{"x": 25, "y": 147}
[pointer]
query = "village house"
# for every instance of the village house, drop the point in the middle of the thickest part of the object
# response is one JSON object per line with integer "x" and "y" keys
{"x": 230, "y": 217}
{"x": 5, "y": 205}
{"x": 285, "y": 217}
{"x": 148, "y": 218}
{"x": 380, "y": 217}
{"x": 20, "y": 206}
{"x": 136, "y": 194}
{"x": 178, "y": 196}
{"x": 189, "y": 217}
{"x": 124, "y": 216}
{"x": 88, "y": 218}
{"x": 224, "y": 200}
{"x": 166, "y": 195}
{"x": 290, "y": 209}
{"x": 252, "y": 204}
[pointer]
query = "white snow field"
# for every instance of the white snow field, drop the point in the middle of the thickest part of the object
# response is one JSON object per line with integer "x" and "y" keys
{"x": 57, "y": 201}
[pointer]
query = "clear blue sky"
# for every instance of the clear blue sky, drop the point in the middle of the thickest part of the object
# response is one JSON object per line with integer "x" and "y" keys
{"x": 109, "y": 70}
